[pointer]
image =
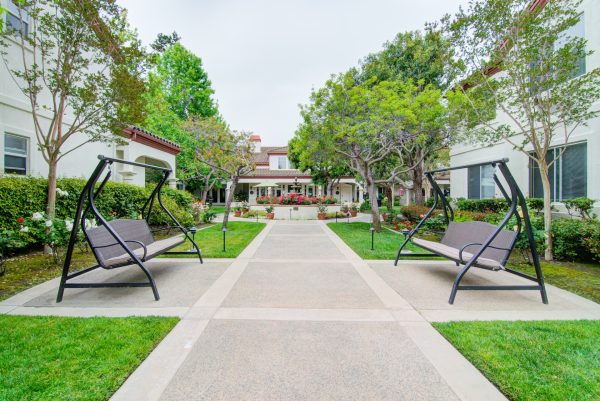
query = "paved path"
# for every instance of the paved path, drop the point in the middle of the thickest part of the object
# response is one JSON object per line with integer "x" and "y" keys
{"x": 299, "y": 316}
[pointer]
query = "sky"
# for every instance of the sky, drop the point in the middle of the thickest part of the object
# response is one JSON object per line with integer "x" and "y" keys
{"x": 264, "y": 56}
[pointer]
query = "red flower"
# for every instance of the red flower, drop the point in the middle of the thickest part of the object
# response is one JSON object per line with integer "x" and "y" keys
{"x": 20, "y": 220}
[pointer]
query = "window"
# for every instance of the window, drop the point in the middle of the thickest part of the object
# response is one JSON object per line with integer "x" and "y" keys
{"x": 481, "y": 182}
{"x": 575, "y": 31}
{"x": 14, "y": 22}
{"x": 15, "y": 154}
{"x": 568, "y": 174}
{"x": 282, "y": 163}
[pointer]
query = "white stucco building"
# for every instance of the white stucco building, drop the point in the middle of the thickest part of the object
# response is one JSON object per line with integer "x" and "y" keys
{"x": 577, "y": 172}
{"x": 18, "y": 143}
{"x": 276, "y": 176}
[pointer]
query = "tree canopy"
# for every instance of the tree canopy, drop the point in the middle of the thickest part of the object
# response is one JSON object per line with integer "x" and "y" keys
{"x": 527, "y": 62}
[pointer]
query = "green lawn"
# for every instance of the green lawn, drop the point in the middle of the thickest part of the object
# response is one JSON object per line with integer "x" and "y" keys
{"x": 34, "y": 268}
{"x": 218, "y": 209}
{"x": 60, "y": 358}
{"x": 581, "y": 278}
{"x": 210, "y": 240}
{"x": 544, "y": 360}
{"x": 358, "y": 237}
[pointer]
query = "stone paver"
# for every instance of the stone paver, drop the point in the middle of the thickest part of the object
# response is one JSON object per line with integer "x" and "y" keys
{"x": 298, "y": 315}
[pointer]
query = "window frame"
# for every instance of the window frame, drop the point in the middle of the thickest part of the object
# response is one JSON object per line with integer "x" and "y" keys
{"x": 286, "y": 163}
{"x": 12, "y": 10}
{"x": 480, "y": 179}
{"x": 557, "y": 178}
{"x": 7, "y": 152}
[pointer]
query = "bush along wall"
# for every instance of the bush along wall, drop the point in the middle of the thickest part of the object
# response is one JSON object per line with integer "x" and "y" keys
{"x": 21, "y": 197}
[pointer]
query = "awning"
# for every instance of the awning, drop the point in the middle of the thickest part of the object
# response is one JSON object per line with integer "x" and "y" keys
{"x": 265, "y": 185}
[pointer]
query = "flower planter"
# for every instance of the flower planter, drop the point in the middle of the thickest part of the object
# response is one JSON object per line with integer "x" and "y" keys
{"x": 245, "y": 210}
{"x": 385, "y": 216}
{"x": 270, "y": 216}
{"x": 321, "y": 216}
{"x": 353, "y": 213}
{"x": 237, "y": 213}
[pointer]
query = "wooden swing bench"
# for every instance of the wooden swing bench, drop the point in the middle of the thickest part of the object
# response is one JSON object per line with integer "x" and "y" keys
{"x": 120, "y": 242}
{"x": 477, "y": 243}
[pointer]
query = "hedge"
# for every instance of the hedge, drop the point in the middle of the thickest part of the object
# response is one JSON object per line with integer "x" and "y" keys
{"x": 23, "y": 196}
{"x": 495, "y": 205}
{"x": 576, "y": 239}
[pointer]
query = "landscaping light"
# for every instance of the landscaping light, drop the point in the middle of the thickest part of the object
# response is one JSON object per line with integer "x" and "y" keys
{"x": 193, "y": 230}
{"x": 405, "y": 232}
{"x": 224, "y": 229}
{"x": 372, "y": 229}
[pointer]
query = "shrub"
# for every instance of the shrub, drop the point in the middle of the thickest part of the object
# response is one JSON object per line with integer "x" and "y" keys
{"x": 414, "y": 212}
{"x": 462, "y": 216}
{"x": 576, "y": 239}
{"x": 253, "y": 213}
{"x": 582, "y": 206}
{"x": 208, "y": 216}
{"x": 23, "y": 196}
{"x": 365, "y": 206}
{"x": 492, "y": 205}
{"x": 535, "y": 205}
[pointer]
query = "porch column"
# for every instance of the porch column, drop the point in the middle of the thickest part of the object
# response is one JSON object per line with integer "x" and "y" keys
{"x": 361, "y": 195}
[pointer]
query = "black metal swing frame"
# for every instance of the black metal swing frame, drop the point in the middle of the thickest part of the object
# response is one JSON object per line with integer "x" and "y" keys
{"x": 515, "y": 200}
{"x": 87, "y": 199}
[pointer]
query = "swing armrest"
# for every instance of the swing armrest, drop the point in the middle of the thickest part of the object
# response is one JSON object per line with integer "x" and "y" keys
{"x": 460, "y": 252}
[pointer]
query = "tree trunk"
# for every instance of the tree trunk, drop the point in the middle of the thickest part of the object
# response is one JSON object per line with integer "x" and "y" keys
{"x": 372, "y": 189}
{"x": 234, "y": 181}
{"x": 417, "y": 179}
{"x": 51, "y": 202}
{"x": 549, "y": 252}
{"x": 388, "y": 195}
{"x": 330, "y": 185}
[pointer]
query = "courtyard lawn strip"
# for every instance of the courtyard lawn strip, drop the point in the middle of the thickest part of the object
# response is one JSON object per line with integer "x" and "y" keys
{"x": 210, "y": 240}
{"x": 537, "y": 360}
{"x": 358, "y": 237}
{"x": 64, "y": 358}
{"x": 580, "y": 278}
{"x": 25, "y": 271}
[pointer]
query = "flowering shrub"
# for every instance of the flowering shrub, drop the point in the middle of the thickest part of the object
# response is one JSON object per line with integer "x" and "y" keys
{"x": 53, "y": 233}
{"x": 295, "y": 199}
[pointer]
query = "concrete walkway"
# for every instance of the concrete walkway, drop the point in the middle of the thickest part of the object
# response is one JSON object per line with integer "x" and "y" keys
{"x": 299, "y": 316}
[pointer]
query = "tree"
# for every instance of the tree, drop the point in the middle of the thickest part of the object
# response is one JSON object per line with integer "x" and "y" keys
{"x": 185, "y": 84}
{"x": 229, "y": 152}
{"x": 163, "y": 42}
{"x": 422, "y": 58}
{"x": 205, "y": 132}
{"x": 522, "y": 57}
{"x": 164, "y": 99}
{"x": 79, "y": 61}
{"x": 362, "y": 122}
{"x": 309, "y": 152}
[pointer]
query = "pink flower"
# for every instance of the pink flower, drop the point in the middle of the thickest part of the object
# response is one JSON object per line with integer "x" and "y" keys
{"x": 421, "y": 215}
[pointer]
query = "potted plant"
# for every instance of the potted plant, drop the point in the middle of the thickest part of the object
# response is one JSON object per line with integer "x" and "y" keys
{"x": 270, "y": 214}
{"x": 353, "y": 210}
{"x": 237, "y": 211}
{"x": 344, "y": 209}
{"x": 322, "y": 209}
{"x": 245, "y": 207}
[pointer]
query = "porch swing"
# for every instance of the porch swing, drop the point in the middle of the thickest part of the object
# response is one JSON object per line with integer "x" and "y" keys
{"x": 477, "y": 243}
{"x": 121, "y": 242}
